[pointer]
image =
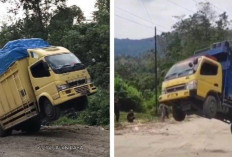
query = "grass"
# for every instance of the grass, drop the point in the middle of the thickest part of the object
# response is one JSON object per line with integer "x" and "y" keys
{"x": 70, "y": 121}
{"x": 66, "y": 121}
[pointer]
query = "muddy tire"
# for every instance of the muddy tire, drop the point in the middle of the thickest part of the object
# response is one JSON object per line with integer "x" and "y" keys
{"x": 51, "y": 112}
{"x": 33, "y": 125}
{"x": 4, "y": 133}
{"x": 210, "y": 107}
{"x": 178, "y": 114}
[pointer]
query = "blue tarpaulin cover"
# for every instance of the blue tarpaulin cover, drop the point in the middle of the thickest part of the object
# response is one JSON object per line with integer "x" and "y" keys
{"x": 16, "y": 50}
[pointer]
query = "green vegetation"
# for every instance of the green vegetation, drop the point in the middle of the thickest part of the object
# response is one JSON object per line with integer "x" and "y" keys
{"x": 96, "y": 114}
{"x": 135, "y": 75}
{"x": 65, "y": 26}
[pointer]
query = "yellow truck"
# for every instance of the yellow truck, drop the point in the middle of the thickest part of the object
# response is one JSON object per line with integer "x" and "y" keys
{"x": 39, "y": 81}
{"x": 201, "y": 84}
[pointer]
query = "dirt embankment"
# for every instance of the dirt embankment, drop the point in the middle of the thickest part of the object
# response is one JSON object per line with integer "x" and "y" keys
{"x": 194, "y": 137}
{"x": 60, "y": 141}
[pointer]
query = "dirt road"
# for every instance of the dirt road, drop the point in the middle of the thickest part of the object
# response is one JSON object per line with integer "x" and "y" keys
{"x": 195, "y": 137}
{"x": 62, "y": 141}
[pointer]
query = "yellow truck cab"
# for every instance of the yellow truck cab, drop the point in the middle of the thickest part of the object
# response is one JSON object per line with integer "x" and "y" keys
{"x": 201, "y": 85}
{"x": 39, "y": 81}
{"x": 58, "y": 76}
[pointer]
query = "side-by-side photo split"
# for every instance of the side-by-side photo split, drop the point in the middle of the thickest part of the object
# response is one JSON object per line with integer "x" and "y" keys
{"x": 54, "y": 78}
{"x": 115, "y": 78}
{"x": 173, "y": 68}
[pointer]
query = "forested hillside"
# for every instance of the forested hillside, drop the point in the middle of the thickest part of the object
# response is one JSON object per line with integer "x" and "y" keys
{"x": 134, "y": 82}
{"x": 129, "y": 47}
{"x": 66, "y": 26}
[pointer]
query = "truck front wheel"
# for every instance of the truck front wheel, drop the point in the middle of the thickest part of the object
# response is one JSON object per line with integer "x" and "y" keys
{"x": 178, "y": 114}
{"x": 210, "y": 107}
{"x": 52, "y": 113}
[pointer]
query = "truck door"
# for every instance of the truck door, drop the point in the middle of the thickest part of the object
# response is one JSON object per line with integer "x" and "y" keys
{"x": 42, "y": 81}
{"x": 210, "y": 78}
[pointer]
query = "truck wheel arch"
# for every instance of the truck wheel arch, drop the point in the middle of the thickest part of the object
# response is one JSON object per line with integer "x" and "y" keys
{"x": 215, "y": 94}
{"x": 211, "y": 105}
{"x": 41, "y": 99}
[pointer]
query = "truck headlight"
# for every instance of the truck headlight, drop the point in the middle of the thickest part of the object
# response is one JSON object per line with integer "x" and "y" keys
{"x": 191, "y": 85}
{"x": 62, "y": 87}
{"x": 88, "y": 80}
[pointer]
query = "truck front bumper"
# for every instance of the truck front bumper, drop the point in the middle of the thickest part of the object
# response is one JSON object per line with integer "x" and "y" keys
{"x": 176, "y": 95}
{"x": 75, "y": 92}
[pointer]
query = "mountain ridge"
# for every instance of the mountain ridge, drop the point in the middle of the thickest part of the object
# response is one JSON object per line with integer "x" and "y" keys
{"x": 133, "y": 47}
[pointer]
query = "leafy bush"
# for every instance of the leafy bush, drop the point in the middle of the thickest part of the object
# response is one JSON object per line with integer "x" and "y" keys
{"x": 129, "y": 97}
{"x": 98, "y": 109}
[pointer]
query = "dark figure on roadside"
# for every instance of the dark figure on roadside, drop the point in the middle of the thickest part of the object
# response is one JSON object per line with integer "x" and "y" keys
{"x": 130, "y": 116}
{"x": 164, "y": 112}
{"x": 116, "y": 109}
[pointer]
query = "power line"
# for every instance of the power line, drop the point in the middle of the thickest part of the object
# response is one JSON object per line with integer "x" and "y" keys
{"x": 134, "y": 15}
{"x": 180, "y": 6}
{"x": 140, "y": 17}
{"x": 149, "y": 15}
{"x": 134, "y": 21}
{"x": 150, "y": 27}
{"x": 147, "y": 11}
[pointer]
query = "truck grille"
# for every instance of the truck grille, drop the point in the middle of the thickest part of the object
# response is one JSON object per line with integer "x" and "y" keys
{"x": 77, "y": 82}
{"x": 175, "y": 88}
{"x": 83, "y": 89}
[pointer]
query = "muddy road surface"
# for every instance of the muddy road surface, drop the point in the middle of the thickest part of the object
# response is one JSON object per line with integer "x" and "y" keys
{"x": 58, "y": 141}
{"x": 194, "y": 137}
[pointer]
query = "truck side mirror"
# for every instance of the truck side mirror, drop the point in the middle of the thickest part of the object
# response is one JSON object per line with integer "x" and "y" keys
{"x": 190, "y": 64}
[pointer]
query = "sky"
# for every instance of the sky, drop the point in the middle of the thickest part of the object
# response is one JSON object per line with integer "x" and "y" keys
{"x": 87, "y": 6}
{"x": 135, "y": 19}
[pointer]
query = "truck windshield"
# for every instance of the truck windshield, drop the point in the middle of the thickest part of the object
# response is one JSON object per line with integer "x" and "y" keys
{"x": 66, "y": 62}
{"x": 181, "y": 69}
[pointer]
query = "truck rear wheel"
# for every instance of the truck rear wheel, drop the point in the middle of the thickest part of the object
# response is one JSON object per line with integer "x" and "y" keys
{"x": 178, "y": 114}
{"x": 33, "y": 125}
{"x": 4, "y": 133}
{"x": 210, "y": 107}
{"x": 52, "y": 113}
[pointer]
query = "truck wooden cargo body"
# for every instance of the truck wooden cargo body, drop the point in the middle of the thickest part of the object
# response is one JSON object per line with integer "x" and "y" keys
{"x": 17, "y": 100}
{"x": 39, "y": 82}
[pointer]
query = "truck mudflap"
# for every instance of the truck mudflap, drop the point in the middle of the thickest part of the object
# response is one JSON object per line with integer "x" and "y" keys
{"x": 177, "y": 95}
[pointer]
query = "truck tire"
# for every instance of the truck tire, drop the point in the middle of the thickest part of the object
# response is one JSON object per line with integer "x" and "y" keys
{"x": 4, "y": 133}
{"x": 32, "y": 126}
{"x": 51, "y": 112}
{"x": 210, "y": 107}
{"x": 81, "y": 103}
{"x": 178, "y": 114}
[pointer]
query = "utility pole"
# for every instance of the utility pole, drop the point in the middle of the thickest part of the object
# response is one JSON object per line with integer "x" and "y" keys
{"x": 156, "y": 88}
